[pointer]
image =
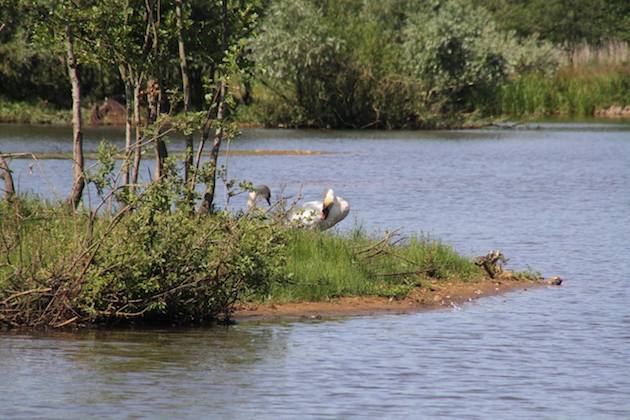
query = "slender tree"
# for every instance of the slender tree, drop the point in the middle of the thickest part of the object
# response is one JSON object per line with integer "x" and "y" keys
{"x": 188, "y": 157}
{"x": 78, "y": 182}
{"x": 208, "y": 197}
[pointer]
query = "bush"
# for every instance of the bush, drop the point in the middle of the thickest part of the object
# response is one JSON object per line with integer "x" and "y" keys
{"x": 358, "y": 64}
{"x": 160, "y": 263}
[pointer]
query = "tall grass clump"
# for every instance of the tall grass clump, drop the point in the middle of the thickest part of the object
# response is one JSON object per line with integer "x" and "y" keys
{"x": 572, "y": 91}
{"x": 36, "y": 112}
{"x": 326, "y": 266}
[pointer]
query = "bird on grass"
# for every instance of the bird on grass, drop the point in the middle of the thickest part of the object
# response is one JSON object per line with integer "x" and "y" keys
{"x": 321, "y": 215}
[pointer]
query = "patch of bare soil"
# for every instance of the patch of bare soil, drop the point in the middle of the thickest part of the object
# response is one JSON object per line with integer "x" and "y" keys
{"x": 437, "y": 294}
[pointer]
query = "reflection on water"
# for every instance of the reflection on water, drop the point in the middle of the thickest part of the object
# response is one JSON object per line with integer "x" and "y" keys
{"x": 554, "y": 196}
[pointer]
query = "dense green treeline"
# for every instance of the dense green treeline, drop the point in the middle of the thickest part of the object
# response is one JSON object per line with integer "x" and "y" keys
{"x": 32, "y": 67}
{"x": 566, "y": 23}
{"x": 352, "y": 63}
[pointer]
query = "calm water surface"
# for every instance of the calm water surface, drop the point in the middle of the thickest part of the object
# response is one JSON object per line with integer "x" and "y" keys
{"x": 555, "y": 197}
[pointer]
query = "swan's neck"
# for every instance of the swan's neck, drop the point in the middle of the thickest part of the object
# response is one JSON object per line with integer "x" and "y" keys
{"x": 251, "y": 200}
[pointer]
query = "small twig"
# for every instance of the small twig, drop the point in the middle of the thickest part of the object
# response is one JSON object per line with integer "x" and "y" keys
{"x": 67, "y": 322}
{"x": 384, "y": 241}
{"x": 403, "y": 273}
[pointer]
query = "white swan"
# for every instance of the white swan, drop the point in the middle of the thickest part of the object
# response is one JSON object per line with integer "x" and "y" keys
{"x": 259, "y": 192}
{"x": 321, "y": 215}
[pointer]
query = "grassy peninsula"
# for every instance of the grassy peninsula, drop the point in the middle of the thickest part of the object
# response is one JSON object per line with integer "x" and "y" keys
{"x": 166, "y": 265}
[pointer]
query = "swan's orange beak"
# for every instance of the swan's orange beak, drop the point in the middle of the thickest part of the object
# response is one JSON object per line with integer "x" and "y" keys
{"x": 326, "y": 210}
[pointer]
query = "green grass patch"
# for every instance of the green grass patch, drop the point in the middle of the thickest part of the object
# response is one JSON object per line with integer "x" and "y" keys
{"x": 39, "y": 112}
{"x": 574, "y": 92}
{"x": 323, "y": 266}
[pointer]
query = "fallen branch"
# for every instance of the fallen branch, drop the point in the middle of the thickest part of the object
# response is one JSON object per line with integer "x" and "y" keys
{"x": 492, "y": 263}
{"x": 67, "y": 322}
{"x": 24, "y": 293}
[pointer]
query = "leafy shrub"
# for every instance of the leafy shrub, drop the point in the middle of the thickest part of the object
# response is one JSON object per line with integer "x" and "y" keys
{"x": 171, "y": 266}
{"x": 394, "y": 63}
{"x": 456, "y": 52}
{"x": 159, "y": 262}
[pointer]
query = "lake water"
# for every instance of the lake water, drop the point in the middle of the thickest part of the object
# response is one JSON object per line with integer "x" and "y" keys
{"x": 555, "y": 197}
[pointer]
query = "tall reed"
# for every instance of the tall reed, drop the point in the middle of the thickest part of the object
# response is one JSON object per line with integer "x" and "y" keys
{"x": 572, "y": 91}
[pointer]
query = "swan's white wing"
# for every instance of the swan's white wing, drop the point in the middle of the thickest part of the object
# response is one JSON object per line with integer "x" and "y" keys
{"x": 313, "y": 205}
{"x": 309, "y": 215}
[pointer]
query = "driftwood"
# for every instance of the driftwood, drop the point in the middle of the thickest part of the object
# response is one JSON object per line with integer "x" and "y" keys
{"x": 492, "y": 263}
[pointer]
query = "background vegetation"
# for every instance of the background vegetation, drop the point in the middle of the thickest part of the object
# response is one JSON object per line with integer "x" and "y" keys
{"x": 350, "y": 63}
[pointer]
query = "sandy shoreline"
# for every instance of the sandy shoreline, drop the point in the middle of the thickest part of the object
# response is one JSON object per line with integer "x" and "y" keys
{"x": 439, "y": 294}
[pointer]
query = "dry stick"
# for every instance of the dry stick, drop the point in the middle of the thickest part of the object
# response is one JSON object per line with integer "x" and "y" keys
{"x": 208, "y": 197}
{"x": 204, "y": 137}
{"x": 128, "y": 121}
{"x": 9, "y": 186}
{"x": 402, "y": 273}
{"x": 65, "y": 323}
{"x": 138, "y": 131}
{"x": 24, "y": 293}
{"x": 386, "y": 238}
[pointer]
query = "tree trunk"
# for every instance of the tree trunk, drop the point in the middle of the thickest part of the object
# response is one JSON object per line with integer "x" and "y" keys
{"x": 208, "y": 197}
{"x": 188, "y": 157}
{"x": 153, "y": 98}
{"x": 9, "y": 187}
{"x": 77, "y": 135}
{"x": 138, "y": 128}
{"x": 128, "y": 122}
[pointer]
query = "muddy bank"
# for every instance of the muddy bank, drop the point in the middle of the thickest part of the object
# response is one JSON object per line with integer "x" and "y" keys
{"x": 433, "y": 295}
{"x": 615, "y": 111}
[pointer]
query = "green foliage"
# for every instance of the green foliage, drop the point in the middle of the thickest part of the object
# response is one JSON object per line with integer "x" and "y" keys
{"x": 570, "y": 92}
{"x": 103, "y": 178}
{"x": 39, "y": 112}
{"x": 566, "y": 23}
{"x": 395, "y": 64}
{"x": 298, "y": 46}
{"x": 159, "y": 263}
{"x": 326, "y": 266}
{"x": 174, "y": 267}
{"x": 456, "y": 52}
